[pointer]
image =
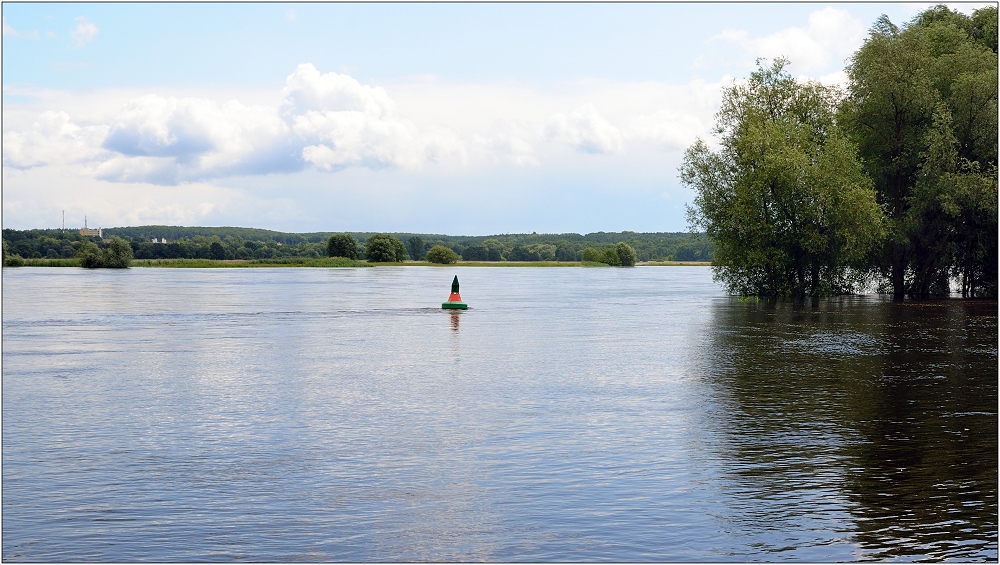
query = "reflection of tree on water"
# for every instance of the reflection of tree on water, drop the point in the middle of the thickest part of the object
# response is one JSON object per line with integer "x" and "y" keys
{"x": 928, "y": 472}
{"x": 883, "y": 411}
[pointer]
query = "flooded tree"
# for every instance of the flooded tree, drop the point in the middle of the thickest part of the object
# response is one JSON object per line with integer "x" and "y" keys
{"x": 784, "y": 197}
{"x": 923, "y": 111}
{"x": 626, "y": 255}
{"x": 117, "y": 255}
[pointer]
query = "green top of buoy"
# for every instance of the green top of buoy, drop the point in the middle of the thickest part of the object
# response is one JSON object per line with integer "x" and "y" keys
{"x": 454, "y": 284}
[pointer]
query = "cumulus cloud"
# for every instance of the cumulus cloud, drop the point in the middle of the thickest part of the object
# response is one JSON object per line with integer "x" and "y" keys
{"x": 331, "y": 122}
{"x": 831, "y": 36}
{"x": 9, "y": 31}
{"x": 667, "y": 129}
{"x": 84, "y": 32}
{"x": 167, "y": 140}
{"x": 52, "y": 139}
{"x": 341, "y": 122}
{"x": 585, "y": 129}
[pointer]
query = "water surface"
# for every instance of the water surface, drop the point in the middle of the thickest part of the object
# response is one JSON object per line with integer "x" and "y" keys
{"x": 575, "y": 414}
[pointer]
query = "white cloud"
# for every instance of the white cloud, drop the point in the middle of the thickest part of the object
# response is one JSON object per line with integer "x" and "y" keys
{"x": 832, "y": 35}
{"x": 330, "y": 122}
{"x": 307, "y": 89}
{"x": 666, "y": 128}
{"x": 84, "y": 33}
{"x": 9, "y": 31}
{"x": 52, "y": 139}
{"x": 585, "y": 129}
{"x": 166, "y": 140}
{"x": 838, "y": 79}
{"x": 341, "y": 122}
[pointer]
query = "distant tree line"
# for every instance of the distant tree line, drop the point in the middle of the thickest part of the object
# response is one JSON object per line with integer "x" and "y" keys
{"x": 890, "y": 185}
{"x": 247, "y": 243}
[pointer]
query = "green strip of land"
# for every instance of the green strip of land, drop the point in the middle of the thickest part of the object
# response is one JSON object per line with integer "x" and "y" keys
{"x": 337, "y": 262}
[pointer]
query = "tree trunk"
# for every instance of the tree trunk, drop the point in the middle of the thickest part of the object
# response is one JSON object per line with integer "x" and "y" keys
{"x": 898, "y": 270}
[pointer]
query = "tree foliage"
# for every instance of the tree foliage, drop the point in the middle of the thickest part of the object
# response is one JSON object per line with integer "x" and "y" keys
{"x": 90, "y": 256}
{"x": 625, "y": 253}
{"x": 923, "y": 110}
{"x": 591, "y": 255}
{"x": 118, "y": 254}
{"x": 415, "y": 245}
{"x": 342, "y": 245}
{"x": 442, "y": 255}
{"x": 248, "y": 243}
{"x": 610, "y": 257}
{"x": 784, "y": 198}
{"x": 384, "y": 248}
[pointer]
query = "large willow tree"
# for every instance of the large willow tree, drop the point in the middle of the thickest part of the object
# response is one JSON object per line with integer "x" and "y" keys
{"x": 784, "y": 197}
{"x": 923, "y": 110}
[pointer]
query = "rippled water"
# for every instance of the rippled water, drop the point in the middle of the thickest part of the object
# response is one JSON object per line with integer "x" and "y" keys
{"x": 571, "y": 414}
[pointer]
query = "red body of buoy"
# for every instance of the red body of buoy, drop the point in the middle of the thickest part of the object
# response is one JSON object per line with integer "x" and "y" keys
{"x": 455, "y": 299}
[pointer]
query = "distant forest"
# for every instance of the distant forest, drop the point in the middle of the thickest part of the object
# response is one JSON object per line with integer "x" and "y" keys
{"x": 252, "y": 243}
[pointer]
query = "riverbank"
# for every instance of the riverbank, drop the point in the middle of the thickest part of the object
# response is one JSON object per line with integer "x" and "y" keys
{"x": 341, "y": 263}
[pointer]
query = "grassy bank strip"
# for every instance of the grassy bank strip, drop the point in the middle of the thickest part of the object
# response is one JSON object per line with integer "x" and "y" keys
{"x": 249, "y": 263}
{"x": 503, "y": 264}
{"x": 674, "y": 264}
{"x": 339, "y": 262}
{"x": 74, "y": 262}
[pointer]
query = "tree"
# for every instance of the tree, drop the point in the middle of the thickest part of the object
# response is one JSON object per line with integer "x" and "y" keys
{"x": 610, "y": 257}
{"x": 565, "y": 252}
{"x": 626, "y": 255}
{"x": 442, "y": 255}
{"x": 591, "y": 255}
{"x": 90, "y": 256}
{"x": 342, "y": 245}
{"x": 784, "y": 199}
{"x": 118, "y": 255}
{"x": 415, "y": 245}
{"x": 384, "y": 248}
{"x": 475, "y": 252}
{"x": 216, "y": 251}
{"x": 912, "y": 91}
{"x": 952, "y": 218}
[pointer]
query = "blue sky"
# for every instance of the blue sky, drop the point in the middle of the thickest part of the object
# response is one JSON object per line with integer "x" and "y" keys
{"x": 435, "y": 118}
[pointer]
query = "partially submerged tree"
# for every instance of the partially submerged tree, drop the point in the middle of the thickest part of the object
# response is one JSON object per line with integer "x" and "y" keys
{"x": 626, "y": 255}
{"x": 90, "y": 256}
{"x": 923, "y": 111}
{"x": 117, "y": 255}
{"x": 784, "y": 197}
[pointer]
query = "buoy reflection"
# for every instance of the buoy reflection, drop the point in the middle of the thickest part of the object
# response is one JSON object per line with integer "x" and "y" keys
{"x": 454, "y": 320}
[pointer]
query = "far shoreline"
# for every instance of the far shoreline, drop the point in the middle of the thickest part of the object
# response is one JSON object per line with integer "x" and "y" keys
{"x": 336, "y": 262}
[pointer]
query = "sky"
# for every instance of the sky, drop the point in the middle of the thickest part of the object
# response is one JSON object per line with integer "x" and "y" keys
{"x": 460, "y": 119}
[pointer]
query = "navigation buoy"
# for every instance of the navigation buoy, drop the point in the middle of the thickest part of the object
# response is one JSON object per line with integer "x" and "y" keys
{"x": 455, "y": 299}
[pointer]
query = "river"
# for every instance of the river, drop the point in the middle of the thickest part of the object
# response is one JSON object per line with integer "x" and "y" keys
{"x": 571, "y": 414}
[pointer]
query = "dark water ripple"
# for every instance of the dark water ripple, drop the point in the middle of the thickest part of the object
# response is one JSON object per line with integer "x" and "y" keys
{"x": 569, "y": 415}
